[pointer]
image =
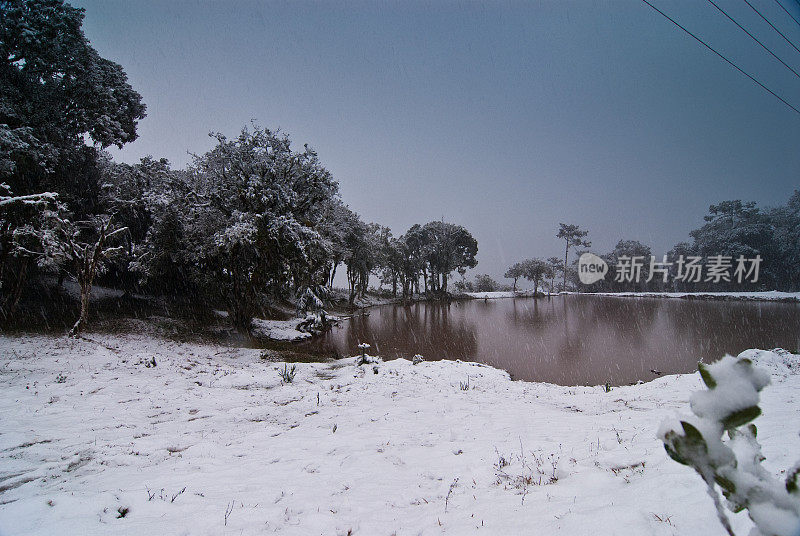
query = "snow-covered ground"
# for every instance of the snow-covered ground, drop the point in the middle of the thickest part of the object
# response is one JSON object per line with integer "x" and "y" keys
{"x": 500, "y": 294}
{"x": 279, "y": 330}
{"x": 772, "y": 295}
{"x": 210, "y": 441}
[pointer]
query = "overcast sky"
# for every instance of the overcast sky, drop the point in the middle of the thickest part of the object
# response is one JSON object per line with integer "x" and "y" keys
{"x": 507, "y": 118}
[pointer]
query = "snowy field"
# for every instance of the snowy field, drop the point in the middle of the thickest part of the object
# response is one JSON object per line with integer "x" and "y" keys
{"x": 95, "y": 439}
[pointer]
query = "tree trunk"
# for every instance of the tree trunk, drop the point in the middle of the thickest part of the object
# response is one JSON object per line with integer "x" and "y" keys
{"x": 333, "y": 274}
{"x": 241, "y": 318}
{"x": 20, "y": 284}
{"x": 351, "y": 280}
{"x": 566, "y": 255}
{"x": 83, "y": 319}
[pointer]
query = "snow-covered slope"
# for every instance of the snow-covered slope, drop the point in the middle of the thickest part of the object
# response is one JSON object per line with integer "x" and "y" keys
{"x": 209, "y": 441}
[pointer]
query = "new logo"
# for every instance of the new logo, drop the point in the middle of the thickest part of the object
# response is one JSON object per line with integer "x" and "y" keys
{"x": 591, "y": 268}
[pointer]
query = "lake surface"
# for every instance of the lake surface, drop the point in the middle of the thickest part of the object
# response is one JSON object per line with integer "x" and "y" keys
{"x": 571, "y": 340}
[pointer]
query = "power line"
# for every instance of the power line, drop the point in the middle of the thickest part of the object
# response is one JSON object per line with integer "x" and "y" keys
{"x": 772, "y": 25}
{"x": 753, "y": 37}
{"x": 721, "y": 56}
{"x": 787, "y": 11}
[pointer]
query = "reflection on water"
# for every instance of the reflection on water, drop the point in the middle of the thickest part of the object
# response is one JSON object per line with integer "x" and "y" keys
{"x": 571, "y": 340}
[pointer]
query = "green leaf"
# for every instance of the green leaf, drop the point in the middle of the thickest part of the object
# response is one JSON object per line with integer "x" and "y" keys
{"x": 684, "y": 448}
{"x": 791, "y": 481}
{"x": 674, "y": 455}
{"x": 692, "y": 434}
{"x": 740, "y": 417}
{"x": 706, "y": 375}
{"x": 725, "y": 484}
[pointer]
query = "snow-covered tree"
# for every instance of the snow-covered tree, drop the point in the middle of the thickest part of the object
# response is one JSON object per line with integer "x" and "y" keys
{"x": 786, "y": 223}
{"x": 60, "y": 101}
{"x": 394, "y": 257}
{"x": 535, "y": 271}
{"x": 573, "y": 236}
{"x": 556, "y": 265}
{"x": 84, "y": 249}
{"x": 363, "y": 245}
{"x": 515, "y": 271}
{"x": 56, "y": 91}
{"x": 485, "y": 283}
{"x": 246, "y": 223}
{"x": 415, "y": 249}
{"x": 628, "y": 253}
{"x": 334, "y": 222}
{"x": 734, "y": 229}
{"x": 449, "y": 247}
{"x": 23, "y": 231}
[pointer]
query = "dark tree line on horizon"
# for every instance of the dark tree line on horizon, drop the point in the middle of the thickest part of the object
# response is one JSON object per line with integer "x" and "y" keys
{"x": 248, "y": 224}
{"x": 731, "y": 229}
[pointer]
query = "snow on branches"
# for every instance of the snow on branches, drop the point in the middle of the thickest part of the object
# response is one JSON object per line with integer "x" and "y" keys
{"x": 734, "y": 463}
{"x": 85, "y": 248}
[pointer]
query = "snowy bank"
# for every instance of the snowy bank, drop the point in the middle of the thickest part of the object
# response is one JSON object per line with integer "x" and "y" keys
{"x": 500, "y": 294}
{"x": 134, "y": 435}
{"x": 292, "y": 330}
{"x": 772, "y": 295}
{"x": 279, "y": 330}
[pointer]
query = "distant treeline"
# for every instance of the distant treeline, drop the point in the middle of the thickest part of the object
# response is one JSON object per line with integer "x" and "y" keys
{"x": 733, "y": 230}
{"x": 248, "y": 223}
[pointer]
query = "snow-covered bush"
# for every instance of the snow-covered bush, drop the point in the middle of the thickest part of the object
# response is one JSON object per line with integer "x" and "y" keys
{"x": 733, "y": 463}
{"x": 364, "y": 358}
{"x": 309, "y": 302}
{"x": 417, "y": 359}
{"x": 288, "y": 374}
{"x": 314, "y": 323}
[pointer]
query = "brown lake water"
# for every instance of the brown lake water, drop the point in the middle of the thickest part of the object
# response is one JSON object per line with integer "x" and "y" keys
{"x": 571, "y": 340}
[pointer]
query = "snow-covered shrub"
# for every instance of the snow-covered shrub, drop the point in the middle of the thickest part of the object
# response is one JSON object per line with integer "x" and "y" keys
{"x": 364, "y": 357}
{"x": 315, "y": 322}
{"x": 309, "y": 302}
{"x": 417, "y": 359}
{"x": 288, "y": 374}
{"x": 734, "y": 463}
